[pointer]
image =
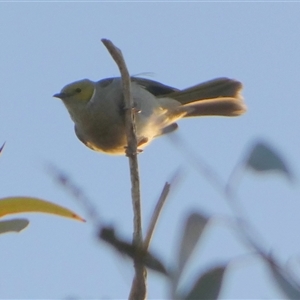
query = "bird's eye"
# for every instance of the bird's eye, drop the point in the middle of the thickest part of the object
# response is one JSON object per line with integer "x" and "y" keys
{"x": 78, "y": 90}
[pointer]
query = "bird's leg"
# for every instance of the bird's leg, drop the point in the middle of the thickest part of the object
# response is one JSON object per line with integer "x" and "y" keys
{"x": 129, "y": 152}
{"x": 135, "y": 108}
{"x": 141, "y": 142}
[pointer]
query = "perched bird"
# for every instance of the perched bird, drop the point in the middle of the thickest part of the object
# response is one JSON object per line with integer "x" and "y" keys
{"x": 97, "y": 108}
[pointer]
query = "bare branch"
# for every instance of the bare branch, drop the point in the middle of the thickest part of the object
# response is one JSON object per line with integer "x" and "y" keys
{"x": 161, "y": 201}
{"x": 138, "y": 290}
{"x": 159, "y": 206}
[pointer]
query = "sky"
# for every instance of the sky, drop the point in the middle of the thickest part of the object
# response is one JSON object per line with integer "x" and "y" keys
{"x": 46, "y": 45}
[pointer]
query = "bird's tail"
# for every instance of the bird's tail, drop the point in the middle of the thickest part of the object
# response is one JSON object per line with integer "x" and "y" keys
{"x": 217, "y": 97}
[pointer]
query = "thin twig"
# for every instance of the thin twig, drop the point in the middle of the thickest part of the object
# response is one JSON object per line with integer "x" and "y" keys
{"x": 246, "y": 229}
{"x": 159, "y": 206}
{"x": 138, "y": 289}
{"x": 1, "y": 148}
{"x": 209, "y": 173}
{"x": 65, "y": 181}
{"x": 161, "y": 201}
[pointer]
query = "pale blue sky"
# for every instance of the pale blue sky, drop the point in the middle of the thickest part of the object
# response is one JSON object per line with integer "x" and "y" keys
{"x": 47, "y": 45}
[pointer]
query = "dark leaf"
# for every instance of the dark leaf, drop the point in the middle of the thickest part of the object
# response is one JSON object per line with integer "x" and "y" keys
{"x": 153, "y": 263}
{"x": 264, "y": 158}
{"x": 15, "y": 225}
{"x": 208, "y": 285}
{"x": 194, "y": 227}
{"x": 138, "y": 254}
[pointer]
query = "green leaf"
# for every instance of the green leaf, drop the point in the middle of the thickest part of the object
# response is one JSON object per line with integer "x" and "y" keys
{"x": 264, "y": 158}
{"x": 208, "y": 285}
{"x": 13, "y": 205}
{"x": 194, "y": 227}
{"x": 15, "y": 225}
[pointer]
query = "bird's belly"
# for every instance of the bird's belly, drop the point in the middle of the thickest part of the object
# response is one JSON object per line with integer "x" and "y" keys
{"x": 111, "y": 139}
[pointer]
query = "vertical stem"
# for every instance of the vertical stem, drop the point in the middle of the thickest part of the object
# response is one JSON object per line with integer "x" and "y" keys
{"x": 138, "y": 289}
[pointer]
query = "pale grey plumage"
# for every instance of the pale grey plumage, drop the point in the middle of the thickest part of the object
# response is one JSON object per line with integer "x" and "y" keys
{"x": 98, "y": 113}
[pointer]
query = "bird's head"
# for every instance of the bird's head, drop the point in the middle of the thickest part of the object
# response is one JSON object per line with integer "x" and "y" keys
{"x": 76, "y": 96}
{"x": 77, "y": 92}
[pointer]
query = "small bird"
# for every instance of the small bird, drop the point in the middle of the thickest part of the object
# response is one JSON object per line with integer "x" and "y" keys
{"x": 97, "y": 108}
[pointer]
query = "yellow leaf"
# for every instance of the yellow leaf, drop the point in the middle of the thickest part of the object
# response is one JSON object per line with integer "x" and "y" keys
{"x": 13, "y": 205}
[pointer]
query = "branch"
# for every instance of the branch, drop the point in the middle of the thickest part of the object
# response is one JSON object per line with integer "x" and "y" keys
{"x": 138, "y": 289}
{"x": 159, "y": 205}
{"x": 158, "y": 208}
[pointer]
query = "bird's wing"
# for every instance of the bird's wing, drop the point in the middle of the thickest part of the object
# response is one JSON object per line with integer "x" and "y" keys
{"x": 154, "y": 87}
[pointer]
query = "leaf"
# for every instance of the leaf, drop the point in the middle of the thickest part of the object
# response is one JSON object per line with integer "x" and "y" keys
{"x": 287, "y": 284}
{"x": 15, "y": 225}
{"x": 153, "y": 263}
{"x": 13, "y": 205}
{"x": 137, "y": 253}
{"x": 195, "y": 224}
{"x": 208, "y": 285}
{"x": 264, "y": 158}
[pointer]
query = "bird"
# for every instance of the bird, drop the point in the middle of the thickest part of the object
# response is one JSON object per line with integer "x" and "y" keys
{"x": 98, "y": 111}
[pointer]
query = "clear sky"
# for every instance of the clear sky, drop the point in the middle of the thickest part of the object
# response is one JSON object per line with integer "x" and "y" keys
{"x": 47, "y": 45}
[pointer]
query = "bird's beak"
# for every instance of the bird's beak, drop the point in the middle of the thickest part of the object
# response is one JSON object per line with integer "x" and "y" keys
{"x": 59, "y": 95}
